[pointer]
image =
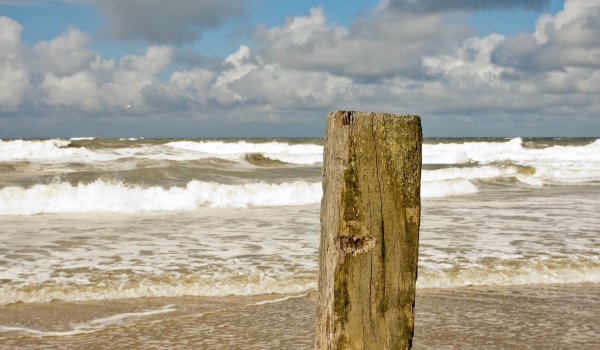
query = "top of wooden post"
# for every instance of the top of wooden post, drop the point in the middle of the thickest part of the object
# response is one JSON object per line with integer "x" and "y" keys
{"x": 348, "y": 117}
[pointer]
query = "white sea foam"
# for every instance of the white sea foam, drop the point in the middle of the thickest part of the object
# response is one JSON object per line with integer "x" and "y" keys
{"x": 460, "y": 153}
{"x": 82, "y": 138}
{"x": 259, "y": 283}
{"x": 101, "y": 196}
{"x": 470, "y": 173}
{"x": 447, "y": 188}
{"x": 533, "y": 272}
{"x": 55, "y": 150}
{"x": 117, "y": 197}
{"x": 557, "y": 164}
{"x": 297, "y": 154}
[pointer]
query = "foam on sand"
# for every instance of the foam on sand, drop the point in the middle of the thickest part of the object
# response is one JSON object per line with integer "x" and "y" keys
{"x": 92, "y": 326}
{"x": 243, "y": 280}
{"x": 253, "y": 282}
{"x": 515, "y": 272}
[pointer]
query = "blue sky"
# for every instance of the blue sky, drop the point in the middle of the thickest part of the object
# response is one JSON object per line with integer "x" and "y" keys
{"x": 215, "y": 68}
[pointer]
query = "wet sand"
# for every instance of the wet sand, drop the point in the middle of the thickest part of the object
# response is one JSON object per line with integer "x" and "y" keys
{"x": 508, "y": 317}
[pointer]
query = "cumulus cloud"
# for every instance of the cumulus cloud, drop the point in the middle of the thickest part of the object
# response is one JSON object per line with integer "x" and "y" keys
{"x": 249, "y": 80}
{"x": 246, "y": 83}
{"x": 156, "y": 21}
{"x": 424, "y": 6}
{"x": 568, "y": 39}
{"x": 377, "y": 46}
{"x": 65, "y": 74}
{"x": 547, "y": 73}
{"x": 106, "y": 85}
{"x": 66, "y": 54}
{"x": 14, "y": 77}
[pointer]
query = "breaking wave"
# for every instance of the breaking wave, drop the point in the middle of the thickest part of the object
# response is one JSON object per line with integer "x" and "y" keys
{"x": 305, "y": 154}
{"x": 57, "y": 150}
{"x": 555, "y": 164}
{"x": 101, "y": 196}
{"x": 111, "y": 196}
{"x": 254, "y": 281}
{"x": 118, "y": 197}
{"x": 257, "y": 283}
{"x": 43, "y": 151}
{"x": 512, "y": 272}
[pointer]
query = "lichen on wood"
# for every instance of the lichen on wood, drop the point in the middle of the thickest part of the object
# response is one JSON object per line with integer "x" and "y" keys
{"x": 370, "y": 214}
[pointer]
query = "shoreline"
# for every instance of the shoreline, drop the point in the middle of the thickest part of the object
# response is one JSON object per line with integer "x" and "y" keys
{"x": 474, "y": 317}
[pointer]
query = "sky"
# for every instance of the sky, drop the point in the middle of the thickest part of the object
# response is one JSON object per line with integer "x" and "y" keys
{"x": 274, "y": 68}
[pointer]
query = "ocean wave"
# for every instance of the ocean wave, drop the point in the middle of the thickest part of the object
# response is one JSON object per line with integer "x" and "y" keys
{"x": 465, "y": 164}
{"x": 460, "y": 181}
{"x": 101, "y": 196}
{"x": 555, "y": 164}
{"x": 54, "y": 150}
{"x": 118, "y": 197}
{"x": 162, "y": 285}
{"x": 470, "y": 173}
{"x": 306, "y": 154}
{"x": 58, "y": 150}
{"x": 512, "y": 150}
{"x": 447, "y": 188}
{"x": 82, "y": 138}
{"x": 512, "y": 272}
{"x": 254, "y": 281}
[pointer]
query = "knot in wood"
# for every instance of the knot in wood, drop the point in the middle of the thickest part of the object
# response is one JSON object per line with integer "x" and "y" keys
{"x": 356, "y": 245}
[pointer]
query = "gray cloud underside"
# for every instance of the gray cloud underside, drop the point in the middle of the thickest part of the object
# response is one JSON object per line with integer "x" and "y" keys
{"x": 171, "y": 22}
{"x": 424, "y": 6}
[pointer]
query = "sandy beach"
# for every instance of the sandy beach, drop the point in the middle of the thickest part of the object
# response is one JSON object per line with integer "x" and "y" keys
{"x": 515, "y": 317}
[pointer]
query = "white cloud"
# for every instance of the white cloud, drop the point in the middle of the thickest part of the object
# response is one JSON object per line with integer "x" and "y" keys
{"x": 10, "y": 37}
{"x": 572, "y": 14}
{"x": 379, "y": 45}
{"x": 77, "y": 91}
{"x": 13, "y": 84}
{"x": 472, "y": 57}
{"x": 66, "y": 54}
{"x": 101, "y": 86}
{"x": 193, "y": 84}
{"x": 14, "y": 78}
{"x": 284, "y": 88}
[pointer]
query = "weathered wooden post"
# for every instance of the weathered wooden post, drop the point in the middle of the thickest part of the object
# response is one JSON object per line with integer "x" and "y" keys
{"x": 370, "y": 214}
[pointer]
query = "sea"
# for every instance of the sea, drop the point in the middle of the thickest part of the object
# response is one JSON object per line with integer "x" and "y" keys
{"x": 213, "y": 243}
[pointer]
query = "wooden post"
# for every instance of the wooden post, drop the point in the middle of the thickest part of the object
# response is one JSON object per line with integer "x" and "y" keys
{"x": 370, "y": 214}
